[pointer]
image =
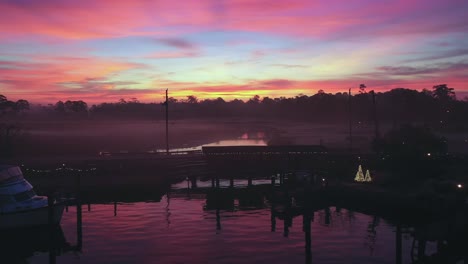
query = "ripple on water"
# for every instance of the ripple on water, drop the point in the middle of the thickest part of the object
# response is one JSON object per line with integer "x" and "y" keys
{"x": 181, "y": 231}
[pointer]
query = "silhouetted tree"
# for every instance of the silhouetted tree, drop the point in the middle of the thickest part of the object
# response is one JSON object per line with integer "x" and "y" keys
{"x": 172, "y": 100}
{"x": 21, "y": 105}
{"x": 442, "y": 92}
{"x": 399, "y": 106}
{"x": 76, "y": 106}
{"x": 409, "y": 151}
{"x": 6, "y": 106}
{"x": 60, "y": 107}
{"x": 411, "y": 141}
{"x": 254, "y": 100}
{"x": 362, "y": 88}
{"x": 191, "y": 99}
{"x": 3, "y": 103}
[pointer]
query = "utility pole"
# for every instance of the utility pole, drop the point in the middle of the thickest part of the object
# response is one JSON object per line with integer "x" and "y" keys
{"x": 167, "y": 122}
{"x": 374, "y": 113}
{"x": 350, "y": 123}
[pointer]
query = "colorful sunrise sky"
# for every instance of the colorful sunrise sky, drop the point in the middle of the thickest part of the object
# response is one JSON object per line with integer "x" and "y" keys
{"x": 100, "y": 51}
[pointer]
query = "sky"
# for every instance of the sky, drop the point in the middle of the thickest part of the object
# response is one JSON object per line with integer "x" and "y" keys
{"x": 101, "y": 51}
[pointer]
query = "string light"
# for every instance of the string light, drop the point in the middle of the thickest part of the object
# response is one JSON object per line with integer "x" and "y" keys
{"x": 59, "y": 169}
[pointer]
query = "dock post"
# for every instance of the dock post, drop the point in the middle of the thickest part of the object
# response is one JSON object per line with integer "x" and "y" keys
{"x": 66, "y": 202}
{"x": 50, "y": 204}
{"x": 79, "y": 224}
{"x": 217, "y": 182}
{"x": 231, "y": 182}
{"x": 212, "y": 182}
{"x": 51, "y": 222}
{"x": 79, "y": 219}
{"x": 327, "y": 215}
{"x": 421, "y": 249}
{"x": 250, "y": 181}
{"x": 193, "y": 181}
{"x": 307, "y": 235}
{"x": 398, "y": 245}
{"x": 273, "y": 179}
{"x": 115, "y": 208}
{"x": 286, "y": 226}
{"x": 218, "y": 220}
{"x": 287, "y": 215}
{"x": 273, "y": 218}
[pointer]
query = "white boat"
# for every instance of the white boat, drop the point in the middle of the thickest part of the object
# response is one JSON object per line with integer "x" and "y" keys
{"x": 19, "y": 204}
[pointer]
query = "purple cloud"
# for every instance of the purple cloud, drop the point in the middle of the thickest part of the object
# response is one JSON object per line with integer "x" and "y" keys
{"x": 177, "y": 43}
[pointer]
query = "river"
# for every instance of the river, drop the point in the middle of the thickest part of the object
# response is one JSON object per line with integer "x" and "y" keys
{"x": 180, "y": 228}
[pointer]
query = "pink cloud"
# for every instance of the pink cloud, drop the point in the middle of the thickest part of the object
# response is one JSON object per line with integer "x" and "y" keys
{"x": 60, "y": 73}
{"x": 330, "y": 19}
{"x": 98, "y": 19}
{"x": 168, "y": 22}
{"x": 173, "y": 54}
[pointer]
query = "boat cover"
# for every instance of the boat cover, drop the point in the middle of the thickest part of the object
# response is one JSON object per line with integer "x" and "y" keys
{"x": 9, "y": 171}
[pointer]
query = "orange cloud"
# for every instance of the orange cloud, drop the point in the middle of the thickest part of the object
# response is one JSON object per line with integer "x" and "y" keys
{"x": 59, "y": 73}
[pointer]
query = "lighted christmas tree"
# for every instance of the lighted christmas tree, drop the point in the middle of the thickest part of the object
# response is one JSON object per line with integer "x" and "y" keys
{"x": 359, "y": 175}
{"x": 367, "y": 178}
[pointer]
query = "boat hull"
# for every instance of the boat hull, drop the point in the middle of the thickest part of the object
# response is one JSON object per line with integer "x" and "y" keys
{"x": 29, "y": 218}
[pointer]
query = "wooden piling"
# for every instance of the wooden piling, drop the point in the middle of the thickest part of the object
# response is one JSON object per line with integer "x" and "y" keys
{"x": 273, "y": 219}
{"x": 327, "y": 215}
{"x": 51, "y": 222}
{"x": 286, "y": 226}
{"x": 398, "y": 242}
{"x": 421, "y": 249}
{"x": 79, "y": 223}
{"x": 218, "y": 220}
{"x": 307, "y": 236}
{"x": 193, "y": 180}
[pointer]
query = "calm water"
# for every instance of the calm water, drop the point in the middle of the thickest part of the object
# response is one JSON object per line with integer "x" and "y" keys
{"x": 179, "y": 229}
{"x": 242, "y": 141}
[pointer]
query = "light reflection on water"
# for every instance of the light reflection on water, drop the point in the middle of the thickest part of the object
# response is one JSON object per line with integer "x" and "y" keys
{"x": 223, "y": 183}
{"x": 229, "y": 142}
{"x": 179, "y": 230}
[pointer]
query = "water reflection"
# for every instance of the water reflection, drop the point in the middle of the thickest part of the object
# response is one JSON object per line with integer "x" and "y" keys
{"x": 19, "y": 245}
{"x": 226, "y": 225}
{"x": 242, "y": 141}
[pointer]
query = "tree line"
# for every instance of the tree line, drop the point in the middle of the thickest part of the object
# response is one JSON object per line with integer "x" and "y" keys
{"x": 438, "y": 106}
